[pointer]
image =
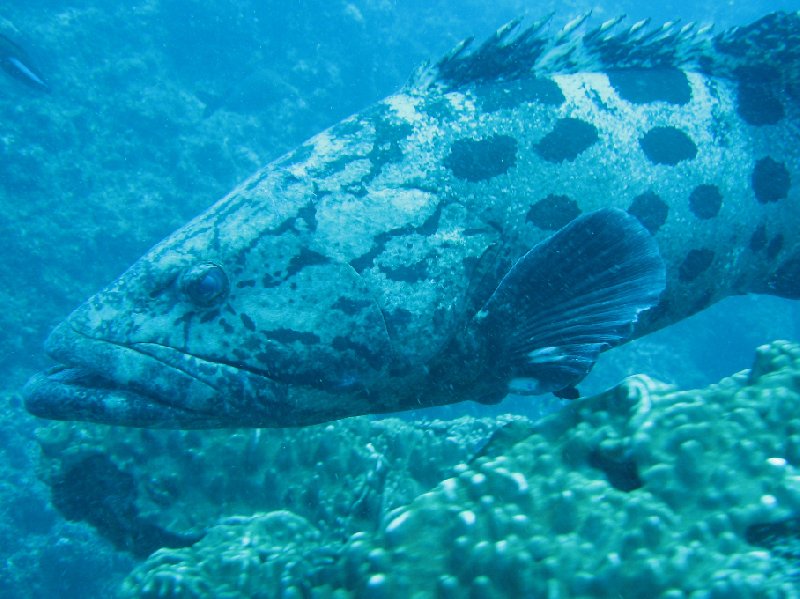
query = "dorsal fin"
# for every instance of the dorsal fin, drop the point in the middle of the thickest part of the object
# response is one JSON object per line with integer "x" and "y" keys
{"x": 514, "y": 52}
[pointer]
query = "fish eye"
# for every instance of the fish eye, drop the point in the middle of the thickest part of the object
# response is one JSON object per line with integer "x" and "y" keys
{"x": 205, "y": 284}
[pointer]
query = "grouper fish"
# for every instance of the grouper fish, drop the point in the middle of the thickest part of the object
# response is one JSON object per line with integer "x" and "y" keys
{"x": 513, "y": 212}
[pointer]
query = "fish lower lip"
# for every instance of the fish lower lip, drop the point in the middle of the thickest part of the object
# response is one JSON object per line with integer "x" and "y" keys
{"x": 75, "y": 393}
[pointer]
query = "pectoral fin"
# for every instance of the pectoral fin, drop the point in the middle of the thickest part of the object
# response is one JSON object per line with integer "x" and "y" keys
{"x": 568, "y": 299}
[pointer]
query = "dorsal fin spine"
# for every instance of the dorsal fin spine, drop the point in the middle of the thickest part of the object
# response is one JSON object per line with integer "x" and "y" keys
{"x": 514, "y": 52}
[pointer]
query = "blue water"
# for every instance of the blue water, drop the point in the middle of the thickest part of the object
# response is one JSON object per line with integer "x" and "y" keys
{"x": 156, "y": 109}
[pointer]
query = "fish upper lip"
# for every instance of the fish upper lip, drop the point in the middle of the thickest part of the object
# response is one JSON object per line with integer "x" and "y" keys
{"x": 165, "y": 355}
{"x": 147, "y": 384}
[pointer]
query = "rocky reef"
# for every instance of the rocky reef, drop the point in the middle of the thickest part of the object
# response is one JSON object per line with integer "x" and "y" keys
{"x": 642, "y": 491}
{"x": 144, "y": 489}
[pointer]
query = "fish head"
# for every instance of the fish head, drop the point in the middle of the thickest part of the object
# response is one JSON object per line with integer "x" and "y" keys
{"x": 237, "y": 319}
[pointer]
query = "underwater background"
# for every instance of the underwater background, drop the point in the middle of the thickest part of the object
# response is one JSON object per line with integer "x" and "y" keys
{"x": 156, "y": 109}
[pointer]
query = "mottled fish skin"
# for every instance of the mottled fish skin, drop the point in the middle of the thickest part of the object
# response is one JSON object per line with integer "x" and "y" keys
{"x": 352, "y": 262}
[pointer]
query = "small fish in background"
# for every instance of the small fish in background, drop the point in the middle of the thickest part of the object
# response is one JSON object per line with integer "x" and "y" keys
{"x": 16, "y": 62}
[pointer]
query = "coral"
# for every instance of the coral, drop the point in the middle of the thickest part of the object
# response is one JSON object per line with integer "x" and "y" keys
{"x": 643, "y": 491}
{"x": 164, "y": 488}
{"x": 245, "y": 557}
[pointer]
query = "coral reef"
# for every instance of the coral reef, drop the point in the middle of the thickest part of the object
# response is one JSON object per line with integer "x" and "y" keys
{"x": 144, "y": 489}
{"x": 643, "y": 491}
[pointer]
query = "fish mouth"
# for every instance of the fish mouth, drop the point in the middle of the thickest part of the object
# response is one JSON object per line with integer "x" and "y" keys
{"x": 148, "y": 385}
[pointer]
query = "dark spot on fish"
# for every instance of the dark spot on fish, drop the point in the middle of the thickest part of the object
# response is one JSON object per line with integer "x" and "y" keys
{"x": 364, "y": 261}
{"x": 308, "y": 213}
{"x": 208, "y": 316}
{"x": 247, "y": 322}
{"x": 705, "y": 201}
{"x": 386, "y": 148}
{"x": 398, "y": 319}
{"x": 643, "y": 86}
{"x": 650, "y": 209}
{"x": 775, "y": 246}
{"x": 438, "y": 108}
{"x": 478, "y": 160}
{"x": 349, "y": 306}
{"x": 183, "y": 319}
{"x": 225, "y": 326}
{"x": 695, "y": 264}
{"x": 287, "y": 336}
{"x": 247, "y": 283}
{"x": 742, "y": 284}
{"x": 786, "y": 280}
{"x": 758, "y": 240}
{"x": 413, "y": 273}
{"x": 269, "y": 281}
{"x": 470, "y": 262}
{"x": 553, "y": 212}
{"x": 703, "y": 302}
{"x": 431, "y": 224}
{"x": 510, "y": 94}
{"x": 567, "y": 140}
{"x": 304, "y": 259}
{"x": 657, "y": 312}
{"x": 362, "y": 351}
{"x": 328, "y": 169}
{"x": 667, "y": 145}
{"x": 771, "y": 180}
{"x": 759, "y": 106}
{"x": 757, "y": 102}
{"x": 251, "y": 344}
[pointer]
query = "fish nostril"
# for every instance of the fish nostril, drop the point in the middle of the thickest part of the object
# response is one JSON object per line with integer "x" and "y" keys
{"x": 160, "y": 286}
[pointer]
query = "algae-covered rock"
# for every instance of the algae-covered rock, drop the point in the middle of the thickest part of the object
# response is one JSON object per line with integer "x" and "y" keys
{"x": 145, "y": 489}
{"x": 643, "y": 491}
{"x": 243, "y": 557}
